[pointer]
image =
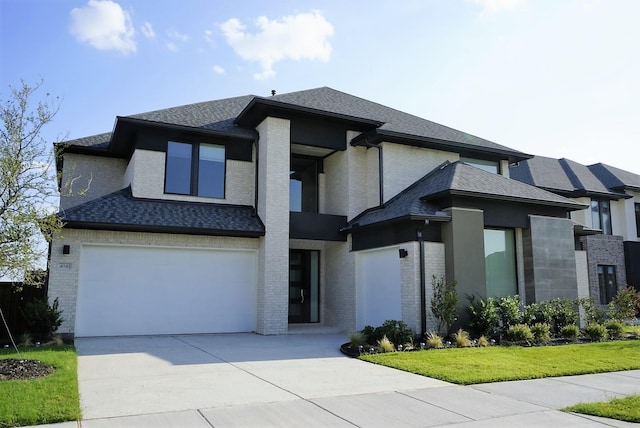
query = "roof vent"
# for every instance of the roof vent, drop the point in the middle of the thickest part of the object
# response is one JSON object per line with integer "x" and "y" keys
{"x": 273, "y": 92}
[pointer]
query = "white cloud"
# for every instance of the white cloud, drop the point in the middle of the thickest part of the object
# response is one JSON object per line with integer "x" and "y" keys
{"x": 490, "y": 7}
{"x": 147, "y": 30}
{"x": 208, "y": 36}
{"x": 172, "y": 46}
{"x": 178, "y": 36}
{"x": 302, "y": 36}
{"x": 218, "y": 69}
{"x": 174, "y": 39}
{"x": 104, "y": 25}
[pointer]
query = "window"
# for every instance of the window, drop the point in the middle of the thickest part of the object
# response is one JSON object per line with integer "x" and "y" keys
{"x": 601, "y": 215}
{"x": 500, "y": 262}
{"x": 637, "y": 220}
{"x": 195, "y": 169}
{"x": 490, "y": 166}
{"x": 303, "y": 185}
{"x": 607, "y": 283}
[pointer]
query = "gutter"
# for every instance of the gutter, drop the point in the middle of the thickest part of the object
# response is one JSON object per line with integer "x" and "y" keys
{"x": 423, "y": 285}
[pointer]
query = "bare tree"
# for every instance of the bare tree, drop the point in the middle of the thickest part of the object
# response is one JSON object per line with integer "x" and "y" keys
{"x": 28, "y": 187}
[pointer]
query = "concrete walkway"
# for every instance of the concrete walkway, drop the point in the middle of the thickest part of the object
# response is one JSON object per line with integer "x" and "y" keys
{"x": 247, "y": 380}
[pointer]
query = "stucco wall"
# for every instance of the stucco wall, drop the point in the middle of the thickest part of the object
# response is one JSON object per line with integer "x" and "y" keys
{"x": 85, "y": 178}
{"x": 146, "y": 169}
{"x": 64, "y": 268}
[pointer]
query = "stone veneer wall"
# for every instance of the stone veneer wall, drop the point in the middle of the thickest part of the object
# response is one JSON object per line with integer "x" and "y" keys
{"x": 604, "y": 250}
{"x": 64, "y": 268}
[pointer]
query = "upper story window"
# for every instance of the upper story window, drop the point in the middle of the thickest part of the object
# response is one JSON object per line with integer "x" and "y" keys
{"x": 637, "y": 220}
{"x": 195, "y": 169}
{"x": 601, "y": 215}
{"x": 490, "y": 166}
{"x": 303, "y": 184}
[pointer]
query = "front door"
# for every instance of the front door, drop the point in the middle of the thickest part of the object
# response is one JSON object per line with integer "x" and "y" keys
{"x": 304, "y": 286}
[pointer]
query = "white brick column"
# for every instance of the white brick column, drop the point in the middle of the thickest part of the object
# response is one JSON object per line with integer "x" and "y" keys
{"x": 273, "y": 209}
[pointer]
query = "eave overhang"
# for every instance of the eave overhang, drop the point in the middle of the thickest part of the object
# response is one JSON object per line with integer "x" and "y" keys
{"x": 572, "y": 206}
{"x": 377, "y": 136}
{"x": 123, "y": 227}
{"x": 260, "y": 108}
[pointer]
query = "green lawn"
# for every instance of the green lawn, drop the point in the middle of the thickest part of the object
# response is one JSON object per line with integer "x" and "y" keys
{"x": 47, "y": 400}
{"x": 468, "y": 366}
{"x": 624, "y": 409}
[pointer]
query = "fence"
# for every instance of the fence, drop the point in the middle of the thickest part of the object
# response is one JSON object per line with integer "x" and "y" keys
{"x": 12, "y": 299}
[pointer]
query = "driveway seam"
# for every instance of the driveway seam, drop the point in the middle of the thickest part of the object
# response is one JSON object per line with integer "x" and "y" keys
{"x": 205, "y": 418}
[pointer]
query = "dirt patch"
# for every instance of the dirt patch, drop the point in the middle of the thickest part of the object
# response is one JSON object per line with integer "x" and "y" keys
{"x": 18, "y": 369}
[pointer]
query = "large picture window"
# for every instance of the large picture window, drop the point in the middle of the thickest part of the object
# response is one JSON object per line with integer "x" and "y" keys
{"x": 500, "y": 262}
{"x": 195, "y": 169}
{"x": 607, "y": 283}
{"x": 601, "y": 215}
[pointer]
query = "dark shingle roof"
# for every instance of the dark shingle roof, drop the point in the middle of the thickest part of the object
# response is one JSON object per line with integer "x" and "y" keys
{"x": 562, "y": 176}
{"x": 99, "y": 141}
{"x": 217, "y": 115}
{"x": 121, "y": 211}
{"x": 616, "y": 178}
{"x": 457, "y": 178}
{"x": 395, "y": 121}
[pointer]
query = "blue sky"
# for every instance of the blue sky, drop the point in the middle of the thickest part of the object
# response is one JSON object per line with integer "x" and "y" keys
{"x": 557, "y": 78}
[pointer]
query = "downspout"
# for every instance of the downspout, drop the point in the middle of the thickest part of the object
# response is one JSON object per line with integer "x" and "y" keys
{"x": 256, "y": 183}
{"x": 423, "y": 285}
{"x": 380, "y": 170}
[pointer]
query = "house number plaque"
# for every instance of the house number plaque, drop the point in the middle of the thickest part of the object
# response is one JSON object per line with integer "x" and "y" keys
{"x": 65, "y": 265}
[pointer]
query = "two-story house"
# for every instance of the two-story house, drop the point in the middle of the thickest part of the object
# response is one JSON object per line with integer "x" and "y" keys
{"x": 608, "y": 229}
{"x": 310, "y": 208}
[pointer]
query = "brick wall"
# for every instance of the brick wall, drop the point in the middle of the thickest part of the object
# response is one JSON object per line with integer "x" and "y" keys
{"x": 604, "y": 250}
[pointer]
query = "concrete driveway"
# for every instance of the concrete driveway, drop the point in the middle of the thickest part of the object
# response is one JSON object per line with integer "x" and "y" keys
{"x": 244, "y": 380}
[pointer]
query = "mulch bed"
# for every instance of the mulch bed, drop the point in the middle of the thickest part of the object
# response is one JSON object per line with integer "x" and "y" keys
{"x": 17, "y": 369}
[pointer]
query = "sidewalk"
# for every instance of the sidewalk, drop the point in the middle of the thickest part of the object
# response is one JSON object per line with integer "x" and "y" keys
{"x": 245, "y": 381}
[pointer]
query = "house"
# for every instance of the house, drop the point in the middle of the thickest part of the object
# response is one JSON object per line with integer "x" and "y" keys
{"x": 608, "y": 229}
{"x": 312, "y": 208}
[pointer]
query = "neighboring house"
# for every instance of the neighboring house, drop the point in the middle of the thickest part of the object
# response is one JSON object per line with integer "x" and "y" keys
{"x": 302, "y": 209}
{"x": 608, "y": 229}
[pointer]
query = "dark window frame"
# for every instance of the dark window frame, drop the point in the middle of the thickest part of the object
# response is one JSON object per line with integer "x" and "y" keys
{"x": 606, "y": 227}
{"x": 195, "y": 166}
{"x": 604, "y": 276}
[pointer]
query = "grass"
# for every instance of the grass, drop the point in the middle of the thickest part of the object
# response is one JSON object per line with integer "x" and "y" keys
{"x": 467, "y": 366}
{"x": 46, "y": 400}
{"x": 624, "y": 409}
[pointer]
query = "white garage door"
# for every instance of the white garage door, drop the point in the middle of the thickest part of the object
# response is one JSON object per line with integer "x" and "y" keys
{"x": 127, "y": 290}
{"x": 378, "y": 281}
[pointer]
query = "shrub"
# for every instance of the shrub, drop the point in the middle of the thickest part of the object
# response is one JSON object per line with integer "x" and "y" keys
{"x": 624, "y": 304}
{"x": 396, "y": 331}
{"x": 483, "y": 341}
{"x": 357, "y": 338}
{"x": 386, "y": 345}
{"x": 595, "y": 332}
{"x": 509, "y": 311}
{"x": 461, "y": 339}
{"x": 591, "y": 311}
{"x": 519, "y": 333}
{"x": 615, "y": 329}
{"x": 484, "y": 316}
{"x": 444, "y": 303}
{"x": 536, "y": 313}
{"x": 541, "y": 332}
{"x": 42, "y": 319}
{"x": 369, "y": 334}
{"x": 570, "y": 331}
{"x": 563, "y": 312}
{"x": 433, "y": 340}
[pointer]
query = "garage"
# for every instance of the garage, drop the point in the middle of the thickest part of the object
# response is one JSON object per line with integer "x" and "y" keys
{"x": 133, "y": 290}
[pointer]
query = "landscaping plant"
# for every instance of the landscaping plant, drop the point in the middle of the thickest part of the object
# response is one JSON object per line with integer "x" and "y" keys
{"x": 461, "y": 338}
{"x": 595, "y": 332}
{"x": 591, "y": 311}
{"x": 484, "y": 318}
{"x": 624, "y": 305}
{"x": 386, "y": 345}
{"x": 42, "y": 319}
{"x": 570, "y": 332}
{"x": 444, "y": 303}
{"x": 434, "y": 341}
{"x": 615, "y": 329}
{"x": 519, "y": 333}
{"x": 541, "y": 332}
{"x": 509, "y": 311}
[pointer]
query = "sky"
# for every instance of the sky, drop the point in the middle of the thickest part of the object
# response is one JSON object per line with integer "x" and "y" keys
{"x": 558, "y": 78}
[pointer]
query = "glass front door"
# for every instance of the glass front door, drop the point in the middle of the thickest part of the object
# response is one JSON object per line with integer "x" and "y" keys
{"x": 304, "y": 286}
